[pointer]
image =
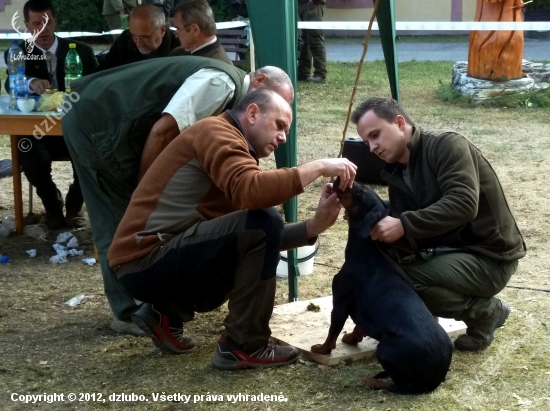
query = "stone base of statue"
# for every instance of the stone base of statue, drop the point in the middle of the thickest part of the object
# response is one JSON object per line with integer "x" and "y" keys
{"x": 536, "y": 77}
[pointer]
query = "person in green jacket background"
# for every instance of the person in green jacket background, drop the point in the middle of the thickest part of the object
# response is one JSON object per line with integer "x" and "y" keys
{"x": 450, "y": 227}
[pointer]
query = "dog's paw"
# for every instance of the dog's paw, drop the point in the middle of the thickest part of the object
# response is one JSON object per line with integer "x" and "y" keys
{"x": 320, "y": 349}
{"x": 377, "y": 384}
{"x": 352, "y": 338}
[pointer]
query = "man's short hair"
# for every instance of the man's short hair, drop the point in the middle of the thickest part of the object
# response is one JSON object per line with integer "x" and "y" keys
{"x": 197, "y": 12}
{"x": 37, "y": 6}
{"x": 263, "y": 98}
{"x": 276, "y": 78}
{"x": 385, "y": 108}
{"x": 150, "y": 11}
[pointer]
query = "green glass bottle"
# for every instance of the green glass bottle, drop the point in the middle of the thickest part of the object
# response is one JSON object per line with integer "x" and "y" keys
{"x": 73, "y": 67}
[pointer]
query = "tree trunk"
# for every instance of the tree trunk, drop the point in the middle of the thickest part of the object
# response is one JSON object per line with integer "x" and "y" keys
{"x": 496, "y": 55}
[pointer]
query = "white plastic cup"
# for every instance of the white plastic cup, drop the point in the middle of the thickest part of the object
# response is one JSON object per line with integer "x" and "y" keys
{"x": 26, "y": 105}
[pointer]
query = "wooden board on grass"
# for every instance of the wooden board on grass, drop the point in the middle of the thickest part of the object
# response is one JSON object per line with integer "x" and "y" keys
{"x": 293, "y": 324}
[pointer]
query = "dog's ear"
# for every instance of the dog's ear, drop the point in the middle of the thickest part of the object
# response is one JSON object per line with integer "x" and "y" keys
{"x": 369, "y": 220}
{"x": 364, "y": 230}
{"x": 375, "y": 211}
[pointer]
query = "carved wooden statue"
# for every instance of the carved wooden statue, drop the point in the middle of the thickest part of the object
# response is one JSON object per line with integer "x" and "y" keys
{"x": 496, "y": 54}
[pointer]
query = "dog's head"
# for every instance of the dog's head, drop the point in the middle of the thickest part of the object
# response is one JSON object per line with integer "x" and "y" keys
{"x": 364, "y": 207}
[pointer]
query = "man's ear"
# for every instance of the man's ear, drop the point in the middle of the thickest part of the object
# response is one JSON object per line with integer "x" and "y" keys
{"x": 259, "y": 78}
{"x": 252, "y": 113}
{"x": 400, "y": 120}
{"x": 163, "y": 30}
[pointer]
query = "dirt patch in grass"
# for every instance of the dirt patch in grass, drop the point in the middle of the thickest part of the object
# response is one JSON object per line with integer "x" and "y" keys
{"x": 48, "y": 347}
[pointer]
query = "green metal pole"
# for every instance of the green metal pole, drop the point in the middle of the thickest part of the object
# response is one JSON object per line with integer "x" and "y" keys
{"x": 273, "y": 25}
{"x": 386, "y": 26}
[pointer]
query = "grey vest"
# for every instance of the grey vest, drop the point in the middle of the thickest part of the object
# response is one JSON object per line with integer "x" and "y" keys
{"x": 117, "y": 108}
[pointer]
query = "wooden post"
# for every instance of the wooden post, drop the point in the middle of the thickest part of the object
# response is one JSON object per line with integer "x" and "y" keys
{"x": 496, "y": 54}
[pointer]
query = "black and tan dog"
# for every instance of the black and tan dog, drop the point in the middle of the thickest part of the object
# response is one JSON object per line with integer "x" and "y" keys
{"x": 413, "y": 348}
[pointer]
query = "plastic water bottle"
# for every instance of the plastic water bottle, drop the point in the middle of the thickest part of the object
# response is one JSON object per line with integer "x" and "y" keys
{"x": 21, "y": 84}
{"x": 73, "y": 67}
{"x": 15, "y": 61}
{"x": 7, "y": 226}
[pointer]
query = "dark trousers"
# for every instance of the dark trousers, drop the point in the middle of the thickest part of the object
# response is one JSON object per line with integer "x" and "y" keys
{"x": 312, "y": 44}
{"x": 106, "y": 200}
{"x": 460, "y": 285}
{"x": 37, "y": 166}
{"x": 233, "y": 258}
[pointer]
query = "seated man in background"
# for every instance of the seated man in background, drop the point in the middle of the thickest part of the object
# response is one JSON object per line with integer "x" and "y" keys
{"x": 450, "y": 227}
{"x": 137, "y": 111}
{"x": 44, "y": 73}
{"x": 147, "y": 37}
{"x": 196, "y": 30}
{"x": 201, "y": 229}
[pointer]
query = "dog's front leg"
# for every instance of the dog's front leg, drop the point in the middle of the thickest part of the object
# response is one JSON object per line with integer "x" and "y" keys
{"x": 354, "y": 337}
{"x": 338, "y": 318}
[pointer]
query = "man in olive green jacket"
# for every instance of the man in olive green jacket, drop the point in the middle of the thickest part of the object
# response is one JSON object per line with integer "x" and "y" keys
{"x": 450, "y": 228}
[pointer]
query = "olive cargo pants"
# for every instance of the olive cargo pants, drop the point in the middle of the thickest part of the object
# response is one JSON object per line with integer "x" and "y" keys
{"x": 459, "y": 285}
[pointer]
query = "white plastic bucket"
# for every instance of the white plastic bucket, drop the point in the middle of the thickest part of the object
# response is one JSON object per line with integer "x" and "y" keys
{"x": 305, "y": 256}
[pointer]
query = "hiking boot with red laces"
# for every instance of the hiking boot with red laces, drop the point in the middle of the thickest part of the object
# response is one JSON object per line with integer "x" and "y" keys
{"x": 166, "y": 334}
{"x": 480, "y": 332}
{"x": 229, "y": 357}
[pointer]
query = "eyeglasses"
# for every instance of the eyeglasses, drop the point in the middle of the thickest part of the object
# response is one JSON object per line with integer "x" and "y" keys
{"x": 144, "y": 38}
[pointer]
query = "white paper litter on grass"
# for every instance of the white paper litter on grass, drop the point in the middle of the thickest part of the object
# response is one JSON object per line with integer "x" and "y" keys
{"x": 58, "y": 259}
{"x": 89, "y": 261}
{"x": 63, "y": 237}
{"x": 73, "y": 243}
{"x": 31, "y": 253}
{"x": 75, "y": 300}
{"x": 61, "y": 250}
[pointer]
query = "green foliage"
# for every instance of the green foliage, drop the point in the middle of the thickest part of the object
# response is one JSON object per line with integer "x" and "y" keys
{"x": 448, "y": 94}
{"x": 80, "y": 15}
{"x": 538, "y": 99}
{"x": 219, "y": 8}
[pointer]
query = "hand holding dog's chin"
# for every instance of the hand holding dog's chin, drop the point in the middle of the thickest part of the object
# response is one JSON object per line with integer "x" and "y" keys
{"x": 326, "y": 214}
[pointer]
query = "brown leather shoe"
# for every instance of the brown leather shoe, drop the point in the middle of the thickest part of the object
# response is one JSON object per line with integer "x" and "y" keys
{"x": 480, "y": 332}
{"x": 75, "y": 220}
{"x": 53, "y": 221}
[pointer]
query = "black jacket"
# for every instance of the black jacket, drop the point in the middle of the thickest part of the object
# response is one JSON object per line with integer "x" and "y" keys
{"x": 39, "y": 68}
{"x": 124, "y": 50}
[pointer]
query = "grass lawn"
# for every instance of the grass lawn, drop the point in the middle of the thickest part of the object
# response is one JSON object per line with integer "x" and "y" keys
{"x": 48, "y": 347}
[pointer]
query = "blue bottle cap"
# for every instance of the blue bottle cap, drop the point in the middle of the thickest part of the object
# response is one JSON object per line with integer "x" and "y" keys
{"x": 4, "y": 259}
